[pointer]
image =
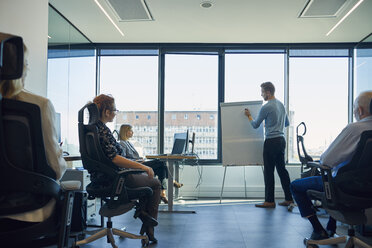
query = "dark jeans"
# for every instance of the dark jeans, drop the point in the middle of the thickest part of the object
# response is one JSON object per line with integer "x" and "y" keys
{"x": 160, "y": 170}
{"x": 273, "y": 155}
{"x": 142, "y": 180}
{"x": 299, "y": 188}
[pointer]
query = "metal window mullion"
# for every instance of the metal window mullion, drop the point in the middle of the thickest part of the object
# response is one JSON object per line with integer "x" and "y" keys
{"x": 161, "y": 100}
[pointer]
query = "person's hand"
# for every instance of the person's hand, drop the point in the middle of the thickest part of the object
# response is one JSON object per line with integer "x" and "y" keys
{"x": 149, "y": 172}
{"x": 247, "y": 112}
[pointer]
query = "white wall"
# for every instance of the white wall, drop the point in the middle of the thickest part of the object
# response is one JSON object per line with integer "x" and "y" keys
{"x": 212, "y": 177}
{"x": 29, "y": 19}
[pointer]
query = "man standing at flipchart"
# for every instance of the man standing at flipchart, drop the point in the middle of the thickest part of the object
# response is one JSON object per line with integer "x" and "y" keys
{"x": 276, "y": 119}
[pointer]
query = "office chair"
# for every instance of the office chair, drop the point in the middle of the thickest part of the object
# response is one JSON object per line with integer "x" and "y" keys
{"x": 305, "y": 159}
{"x": 118, "y": 198}
{"x": 348, "y": 194}
{"x": 27, "y": 182}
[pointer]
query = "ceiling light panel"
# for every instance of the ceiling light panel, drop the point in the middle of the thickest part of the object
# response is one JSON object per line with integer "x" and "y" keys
{"x": 130, "y": 10}
{"x": 323, "y": 8}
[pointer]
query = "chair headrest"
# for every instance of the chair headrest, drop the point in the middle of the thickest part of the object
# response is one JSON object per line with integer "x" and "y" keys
{"x": 93, "y": 113}
{"x": 11, "y": 57}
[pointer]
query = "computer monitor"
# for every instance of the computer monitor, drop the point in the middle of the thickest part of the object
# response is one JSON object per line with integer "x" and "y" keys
{"x": 180, "y": 144}
{"x": 58, "y": 126}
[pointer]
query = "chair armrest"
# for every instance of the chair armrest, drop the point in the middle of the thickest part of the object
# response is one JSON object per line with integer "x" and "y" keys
{"x": 65, "y": 209}
{"x": 70, "y": 185}
{"x": 317, "y": 164}
{"x": 131, "y": 171}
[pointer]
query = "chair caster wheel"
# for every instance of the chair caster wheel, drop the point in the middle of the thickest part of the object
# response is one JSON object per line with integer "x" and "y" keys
{"x": 306, "y": 243}
{"x": 290, "y": 207}
{"x": 145, "y": 242}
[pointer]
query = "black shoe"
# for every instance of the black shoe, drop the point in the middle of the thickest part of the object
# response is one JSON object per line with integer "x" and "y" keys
{"x": 331, "y": 233}
{"x": 316, "y": 236}
{"x": 149, "y": 231}
{"x": 150, "y": 234}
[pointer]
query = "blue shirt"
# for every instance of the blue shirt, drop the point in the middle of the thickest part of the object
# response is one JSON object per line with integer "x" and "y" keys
{"x": 273, "y": 112}
{"x": 342, "y": 149}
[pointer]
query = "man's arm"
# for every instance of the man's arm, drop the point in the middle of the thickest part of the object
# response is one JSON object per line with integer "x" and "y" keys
{"x": 261, "y": 116}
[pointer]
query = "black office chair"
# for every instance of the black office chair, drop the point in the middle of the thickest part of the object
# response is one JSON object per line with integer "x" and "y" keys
{"x": 27, "y": 182}
{"x": 307, "y": 168}
{"x": 349, "y": 194}
{"x": 118, "y": 198}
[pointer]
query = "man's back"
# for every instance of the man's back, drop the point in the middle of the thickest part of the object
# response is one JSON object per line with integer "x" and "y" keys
{"x": 343, "y": 147}
{"x": 275, "y": 119}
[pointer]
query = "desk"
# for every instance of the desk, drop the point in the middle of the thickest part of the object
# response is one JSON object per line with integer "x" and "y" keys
{"x": 172, "y": 164}
{"x": 69, "y": 159}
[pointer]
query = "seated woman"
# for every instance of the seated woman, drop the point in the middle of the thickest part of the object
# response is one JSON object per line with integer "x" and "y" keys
{"x": 159, "y": 167}
{"x": 114, "y": 151}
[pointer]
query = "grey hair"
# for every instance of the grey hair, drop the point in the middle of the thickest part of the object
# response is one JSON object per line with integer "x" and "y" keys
{"x": 364, "y": 101}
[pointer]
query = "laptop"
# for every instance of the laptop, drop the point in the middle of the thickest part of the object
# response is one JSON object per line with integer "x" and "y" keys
{"x": 178, "y": 146}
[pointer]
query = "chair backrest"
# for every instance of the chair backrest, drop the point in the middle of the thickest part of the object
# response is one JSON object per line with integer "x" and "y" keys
{"x": 26, "y": 179}
{"x": 362, "y": 157}
{"x": 93, "y": 158}
{"x": 352, "y": 187}
{"x": 302, "y": 154}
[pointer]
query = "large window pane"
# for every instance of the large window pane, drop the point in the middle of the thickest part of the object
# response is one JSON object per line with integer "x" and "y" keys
{"x": 133, "y": 82}
{"x": 244, "y": 74}
{"x": 71, "y": 84}
{"x": 363, "y": 70}
{"x": 191, "y": 101}
{"x": 318, "y": 96}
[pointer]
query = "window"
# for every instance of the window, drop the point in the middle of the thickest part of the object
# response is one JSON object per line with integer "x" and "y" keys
{"x": 198, "y": 117}
{"x": 66, "y": 77}
{"x": 191, "y": 85}
{"x": 362, "y": 68}
{"x": 318, "y": 96}
{"x": 133, "y": 90}
{"x": 244, "y": 73}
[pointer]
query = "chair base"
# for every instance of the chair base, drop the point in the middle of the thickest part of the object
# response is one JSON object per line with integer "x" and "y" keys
{"x": 351, "y": 242}
{"x": 330, "y": 241}
{"x": 110, "y": 232}
{"x": 355, "y": 242}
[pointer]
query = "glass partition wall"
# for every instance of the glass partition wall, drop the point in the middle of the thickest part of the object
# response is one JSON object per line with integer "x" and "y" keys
{"x": 71, "y": 76}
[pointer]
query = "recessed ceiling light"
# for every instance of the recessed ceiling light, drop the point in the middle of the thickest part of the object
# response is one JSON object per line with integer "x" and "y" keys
{"x": 206, "y": 4}
{"x": 108, "y": 17}
{"x": 343, "y": 18}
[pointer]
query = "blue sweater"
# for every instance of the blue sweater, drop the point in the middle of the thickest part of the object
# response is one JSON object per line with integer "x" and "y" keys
{"x": 273, "y": 112}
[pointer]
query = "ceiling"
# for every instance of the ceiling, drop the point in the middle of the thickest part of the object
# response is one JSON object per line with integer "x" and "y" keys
{"x": 227, "y": 21}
